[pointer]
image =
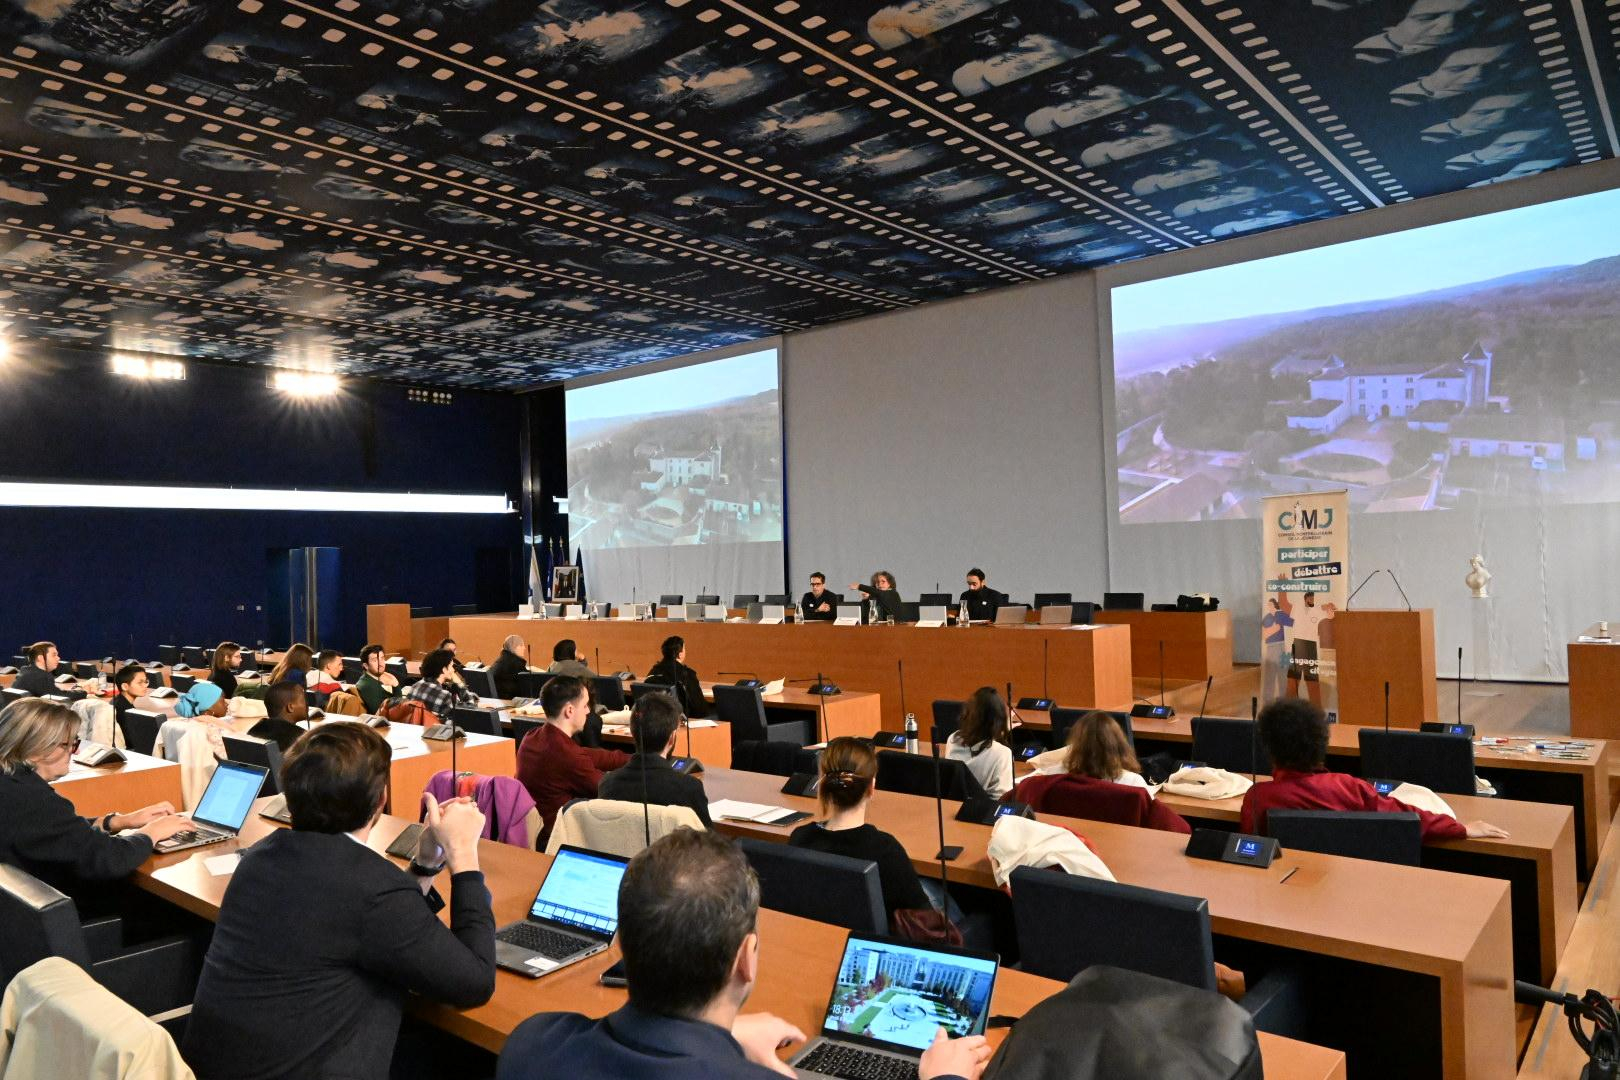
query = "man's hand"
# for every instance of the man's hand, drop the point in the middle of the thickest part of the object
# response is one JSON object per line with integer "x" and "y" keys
{"x": 456, "y": 826}
{"x": 760, "y": 1035}
{"x": 164, "y": 827}
{"x": 1478, "y": 830}
{"x": 954, "y": 1057}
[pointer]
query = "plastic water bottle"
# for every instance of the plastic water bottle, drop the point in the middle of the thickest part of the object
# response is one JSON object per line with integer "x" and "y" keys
{"x": 911, "y": 733}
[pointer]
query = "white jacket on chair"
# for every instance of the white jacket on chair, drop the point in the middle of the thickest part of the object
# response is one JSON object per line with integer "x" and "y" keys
{"x": 617, "y": 827}
{"x": 56, "y": 1021}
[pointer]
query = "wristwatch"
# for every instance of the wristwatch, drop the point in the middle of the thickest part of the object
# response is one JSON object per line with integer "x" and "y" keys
{"x": 425, "y": 871}
{"x": 106, "y": 822}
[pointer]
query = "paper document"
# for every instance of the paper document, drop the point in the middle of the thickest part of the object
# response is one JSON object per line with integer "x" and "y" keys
{"x": 775, "y": 686}
{"x": 760, "y": 813}
{"x": 702, "y": 723}
{"x": 220, "y": 865}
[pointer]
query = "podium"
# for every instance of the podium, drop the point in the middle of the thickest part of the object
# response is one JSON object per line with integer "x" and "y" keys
{"x": 1594, "y": 685}
{"x": 1379, "y": 645}
{"x": 389, "y": 625}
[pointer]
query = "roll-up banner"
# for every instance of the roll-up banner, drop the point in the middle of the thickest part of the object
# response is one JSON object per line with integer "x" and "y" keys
{"x": 1305, "y": 569}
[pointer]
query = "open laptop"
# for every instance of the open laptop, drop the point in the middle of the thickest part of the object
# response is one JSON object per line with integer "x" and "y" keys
{"x": 574, "y": 915}
{"x": 224, "y": 807}
{"x": 888, "y": 999}
{"x": 1057, "y": 614}
{"x": 1012, "y": 613}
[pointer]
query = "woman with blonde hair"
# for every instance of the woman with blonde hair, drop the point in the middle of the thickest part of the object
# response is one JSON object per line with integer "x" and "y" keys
{"x": 40, "y": 832}
{"x": 294, "y": 666}
{"x": 222, "y": 668}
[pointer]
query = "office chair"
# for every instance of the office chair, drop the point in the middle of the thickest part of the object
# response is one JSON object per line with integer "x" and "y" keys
{"x": 1053, "y": 599}
{"x": 12, "y": 693}
{"x": 253, "y": 752}
{"x": 609, "y": 692}
{"x": 913, "y": 774}
{"x": 182, "y": 683}
{"x": 425, "y": 612}
{"x": 707, "y": 599}
{"x": 817, "y": 885}
{"x": 521, "y": 726}
{"x": 671, "y": 600}
{"x": 908, "y": 612}
{"x": 476, "y": 721}
{"x": 194, "y": 656}
{"x": 479, "y": 681}
{"x": 780, "y": 599}
{"x": 742, "y": 600}
{"x": 936, "y": 599}
{"x": 352, "y": 670}
{"x": 168, "y": 655}
{"x": 82, "y": 670}
{"x": 463, "y": 609}
{"x": 1391, "y": 838}
{"x": 1443, "y": 763}
{"x": 947, "y": 718}
{"x": 1123, "y": 601}
{"x": 1229, "y": 743}
{"x": 743, "y": 707}
{"x": 1063, "y": 720}
{"x": 774, "y": 758}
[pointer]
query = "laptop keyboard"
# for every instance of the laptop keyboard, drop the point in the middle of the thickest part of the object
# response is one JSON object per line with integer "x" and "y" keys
{"x": 854, "y": 1063}
{"x": 187, "y": 836}
{"x": 548, "y": 943}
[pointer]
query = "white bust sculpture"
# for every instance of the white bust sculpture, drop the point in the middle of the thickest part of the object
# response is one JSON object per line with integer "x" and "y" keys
{"x": 1479, "y": 578}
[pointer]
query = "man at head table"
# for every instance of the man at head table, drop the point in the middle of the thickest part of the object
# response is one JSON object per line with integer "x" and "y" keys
{"x": 979, "y": 600}
{"x": 688, "y": 906}
{"x": 818, "y": 605}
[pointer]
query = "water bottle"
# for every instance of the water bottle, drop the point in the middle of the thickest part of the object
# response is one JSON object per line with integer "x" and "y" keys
{"x": 911, "y": 733}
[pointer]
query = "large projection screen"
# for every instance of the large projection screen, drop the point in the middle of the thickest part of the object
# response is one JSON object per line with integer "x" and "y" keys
{"x": 1460, "y": 379}
{"x": 675, "y": 479}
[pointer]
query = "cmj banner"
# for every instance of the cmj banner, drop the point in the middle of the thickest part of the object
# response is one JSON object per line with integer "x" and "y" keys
{"x": 1305, "y": 567}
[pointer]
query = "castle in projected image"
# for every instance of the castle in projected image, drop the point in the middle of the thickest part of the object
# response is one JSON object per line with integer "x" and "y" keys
{"x": 1498, "y": 391}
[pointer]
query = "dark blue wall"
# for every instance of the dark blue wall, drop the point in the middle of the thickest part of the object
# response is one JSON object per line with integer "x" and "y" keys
{"x": 116, "y": 581}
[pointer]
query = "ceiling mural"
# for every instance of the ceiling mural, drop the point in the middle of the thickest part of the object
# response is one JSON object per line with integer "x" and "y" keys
{"x": 502, "y": 194}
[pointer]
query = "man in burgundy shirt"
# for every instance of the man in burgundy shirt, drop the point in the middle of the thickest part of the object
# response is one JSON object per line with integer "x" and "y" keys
{"x": 1295, "y": 734}
{"x": 551, "y": 764}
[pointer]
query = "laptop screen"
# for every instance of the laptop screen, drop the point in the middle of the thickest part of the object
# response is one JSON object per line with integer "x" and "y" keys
{"x": 230, "y": 795}
{"x": 896, "y": 994}
{"x": 581, "y": 890}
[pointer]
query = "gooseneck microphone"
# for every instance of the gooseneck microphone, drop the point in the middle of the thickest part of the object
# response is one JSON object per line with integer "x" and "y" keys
{"x": 1202, "y": 705}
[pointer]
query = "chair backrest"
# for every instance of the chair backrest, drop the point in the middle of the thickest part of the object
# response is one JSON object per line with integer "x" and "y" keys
{"x": 463, "y": 609}
{"x": 522, "y": 725}
{"x": 1124, "y": 601}
{"x": 253, "y": 752}
{"x": 671, "y": 600}
{"x": 774, "y": 757}
{"x": 180, "y": 682}
{"x": 168, "y": 655}
{"x": 479, "y": 681}
{"x": 1392, "y": 838}
{"x": 616, "y": 826}
{"x": 352, "y": 670}
{"x": 909, "y": 612}
{"x": 817, "y": 885}
{"x": 36, "y": 921}
{"x": 780, "y": 599}
{"x": 140, "y": 728}
{"x": 1229, "y": 743}
{"x": 475, "y": 720}
{"x": 1083, "y": 613}
{"x": 743, "y": 599}
{"x": 1068, "y": 923}
{"x": 913, "y": 774}
{"x": 609, "y": 692}
{"x": 936, "y": 599}
{"x": 530, "y": 682}
{"x": 947, "y": 718}
{"x": 1094, "y": 800}
{"x": 1442, "y": 763}
{"x": 706, "y": 599}
{"x": 1053, "y": 599}
{"x": 1064, "y": 719}
{"x": 743, "y": 707}
{"x": 84, "y": 670}
{"x": 195, "y": 656}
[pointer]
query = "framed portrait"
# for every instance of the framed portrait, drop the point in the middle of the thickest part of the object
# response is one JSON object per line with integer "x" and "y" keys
{"x": 564, "y": 584}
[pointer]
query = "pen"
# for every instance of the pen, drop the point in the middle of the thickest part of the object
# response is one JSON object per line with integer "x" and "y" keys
{"x": 1288, "y": 875}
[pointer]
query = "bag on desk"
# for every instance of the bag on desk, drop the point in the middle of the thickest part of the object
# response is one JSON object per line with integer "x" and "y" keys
{"x": 925, "y": 926}
{"x": 1203, "y": 782}
{"x": 1093, "y": 1029}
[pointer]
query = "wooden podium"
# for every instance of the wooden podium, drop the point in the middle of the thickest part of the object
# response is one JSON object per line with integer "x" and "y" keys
{"x": 1380, "y": 645}
{"x": 389, "y": 625}
{"x": 1594, "y": 690}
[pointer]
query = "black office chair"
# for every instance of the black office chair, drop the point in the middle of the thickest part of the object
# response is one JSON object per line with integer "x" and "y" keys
{"x": 1443, "y": 763}
{"x": 521, "y": 726}
{"x": 778, "y": 598}
{"x": 1066, "y": 924}
{"x": 194, "y": 656}
{"x": 671, "y": 600}
{"x": 12, "y": 693}
{"x": 37, "y": 921}
{"x": 530, "y": 682}
{"x": 1053, "y": 599}
{"x": 817, "y": 885}
{"x": 707, "y": 599}
{"x": 936, "y": 599}
{"x": 1229, "y": 743}
{"x": 609, "y": 692}
{"x": 1391, "y": 838}
{"x": 742, "y": 600}
{"x": 743, "y": 707}
{"x": 352, "y": 669}
{"x": 253, "y": 752}
{"x": 1063, "y": 721}
{"x": 913, "y": 774}
{"x": 424, "y": 612}
{"x": 84, "y": 670}
{"x": 168, "y": 655}
{"x": 476, "y": 721}
{"x": 774, "y": 758}
{"x": 1083, "y": 613}
{"x": 947, "y": 718}
{"x": 180, "y": 682}
{"x": 140, "y": 728}
{"x": 398, "y": 670}
{"x": 479, "y": 681}
{"x": 1124, "y": 601}
{"x": 463, "y": 609}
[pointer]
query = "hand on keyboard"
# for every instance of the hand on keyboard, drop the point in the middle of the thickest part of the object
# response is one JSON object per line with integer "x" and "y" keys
{"x": 165, "y": 827}
{"x": 964, "y": 1057}
{"x": 760, "y": 1035}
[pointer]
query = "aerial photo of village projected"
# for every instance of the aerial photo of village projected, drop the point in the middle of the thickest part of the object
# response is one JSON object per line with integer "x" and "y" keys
{"x": 1474, "y": 363}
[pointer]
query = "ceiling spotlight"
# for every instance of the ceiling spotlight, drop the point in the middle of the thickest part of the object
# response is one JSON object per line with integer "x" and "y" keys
{"x": 135, "y": 366}
{"x": 305, "y": 384}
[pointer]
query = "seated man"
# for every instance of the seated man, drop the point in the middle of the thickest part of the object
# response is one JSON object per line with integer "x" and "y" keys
{"x": 441, "y": 687}
{"x": 649, "y": 776}
{"x": 39, "y": 677}
{"x": 551, "y": 764}
{"x": 687, "y": 912}
{"x": 326, "y": 677}
{"x": 513, "y": 661}
{"x": 1295, "y": 734}
{"x": 818, "y": 605}
{"x": 979, "y": 601}
{"x": 376, "y": 683}
{"x": 321, "y": 939}
{"x": 286, "y": 708}
{"x": 565, "y": 661}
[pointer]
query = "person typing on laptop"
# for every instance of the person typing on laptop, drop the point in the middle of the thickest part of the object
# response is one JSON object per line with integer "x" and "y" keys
{"x": 687, "y": 911}
{"x": 320, "y": 937}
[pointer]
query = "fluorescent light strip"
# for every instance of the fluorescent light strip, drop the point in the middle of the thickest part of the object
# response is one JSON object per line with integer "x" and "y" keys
{"x": 143, "y": 497}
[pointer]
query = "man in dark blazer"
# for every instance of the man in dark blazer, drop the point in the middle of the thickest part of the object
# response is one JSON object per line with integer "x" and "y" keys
{"x": 321, "y": 937}
{"x": 648, "y": 775}
{"x": 687, "y": 911}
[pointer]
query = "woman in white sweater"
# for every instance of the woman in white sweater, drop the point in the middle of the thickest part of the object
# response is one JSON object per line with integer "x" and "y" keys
{"x": 981, "y": 741}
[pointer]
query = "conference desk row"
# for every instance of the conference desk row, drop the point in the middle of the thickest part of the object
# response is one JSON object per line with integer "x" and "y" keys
{"x": 799, "y": 958}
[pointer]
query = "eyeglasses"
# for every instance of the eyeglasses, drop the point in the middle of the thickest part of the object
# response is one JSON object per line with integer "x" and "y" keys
{"x": 72, "y": 746}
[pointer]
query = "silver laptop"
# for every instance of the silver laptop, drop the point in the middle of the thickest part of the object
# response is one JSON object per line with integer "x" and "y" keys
{"x": 848, "y": 615}
{"x": 224, "y": 807}
{"x": 1060, "y": 614}
{"x": 1012, "y": 613}
{"x": 756, "y": 611}
{"x": 933, "y": 613}
{"x": 887, "y": 1001}
{"x": 574, "y": 915}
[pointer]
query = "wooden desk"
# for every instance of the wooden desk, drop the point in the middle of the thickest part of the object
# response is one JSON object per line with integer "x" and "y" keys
{"x": 1592, "y": 961}
{"x": 1538, "y": 859}
{"x": 139, "y": 782}
{"x": 1594, "y": 689}
{"x": 1350, "y": 909}
{"x": 1196, "y": 644}
{"x": 799, "y": 958}
{"x": 488, "y": 755}
{"x": 1087, "y": 667}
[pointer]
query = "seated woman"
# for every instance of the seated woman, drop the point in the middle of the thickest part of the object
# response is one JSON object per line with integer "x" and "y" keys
{"x": 1294, "y": 732}
{"x": 294, "y": 666}
{"x": 132, "y": 686}
{"x": 848, "y": 777}
{"x": 41, "y": 833}
{"x": 222, "y": 673}
{"x": 884, "y": 594}
{"x": 981, "y": 742}
{"x": 1096, "y": 764}
{"x": 672, "y": 671}
{"x": 204, "y": 701}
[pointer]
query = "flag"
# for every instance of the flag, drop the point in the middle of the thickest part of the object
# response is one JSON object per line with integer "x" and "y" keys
{"x": 545, "y": 582}
{"x": 582, "y": 580}
{"x": 536, "y": 588}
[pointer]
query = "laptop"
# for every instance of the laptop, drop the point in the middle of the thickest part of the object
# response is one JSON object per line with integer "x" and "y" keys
{"x": 1012, "y": 613}
{"x": 889, "y": 998}
{"x": 574, "y": 915}
{"x": 1057, "y": 614}
{"x": 224, "y": 807}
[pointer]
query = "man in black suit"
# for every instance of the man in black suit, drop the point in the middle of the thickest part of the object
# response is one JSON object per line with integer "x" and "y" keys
{"x": 321, "y": 937}
{"x": 818, "y": 605}
{"x": 649, "y": 775}
{"x": 979, "y": 601}
{"x": 687, "y": 911}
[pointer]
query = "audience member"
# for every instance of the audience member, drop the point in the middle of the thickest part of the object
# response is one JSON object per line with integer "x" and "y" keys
{"x": 449, "y": 646}
{"x": 440, "y": 688}
{"x": 286, "y": 708}
{"x": 132, "y": 685}
{"x": 222, "y": 668}
{"x": 550, "y": 764}
{"x": 513, "y": 661}
{"x": 654, "y": 724}
{"x": 294, "y": 665}
{"x": 326, "y": 676}
{"x": 565, "y": 661}
{"x": 376, "y": 683}
{"x": 1097, "y": 752}
{"x": 204, "y": 701}
{"x": 980, "y": 740}
{"x": 672, "y": 671}
{"x": 38, "y": 677}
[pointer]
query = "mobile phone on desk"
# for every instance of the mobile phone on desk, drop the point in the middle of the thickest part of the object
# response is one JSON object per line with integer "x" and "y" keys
{"x": 614, "y": 975}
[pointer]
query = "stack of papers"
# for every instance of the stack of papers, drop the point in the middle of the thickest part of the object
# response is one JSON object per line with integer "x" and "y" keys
{"x": 759, "y": 813}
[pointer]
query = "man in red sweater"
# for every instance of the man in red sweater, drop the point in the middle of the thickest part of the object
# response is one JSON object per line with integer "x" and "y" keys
{"x": 551, "y": 764}
{"x": 1295, "y": 734}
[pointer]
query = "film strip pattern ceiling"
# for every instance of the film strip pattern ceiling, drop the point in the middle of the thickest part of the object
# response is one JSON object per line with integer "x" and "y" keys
{"x": 501, "y": 194}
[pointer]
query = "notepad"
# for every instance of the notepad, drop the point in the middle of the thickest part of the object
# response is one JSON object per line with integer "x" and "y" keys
{"x": 220, "y": 865}
{"x": 774, "y": 687}
{"x": 759, "y": 813}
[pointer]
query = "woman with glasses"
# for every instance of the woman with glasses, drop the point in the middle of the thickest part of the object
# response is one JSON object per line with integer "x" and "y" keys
{"x": 40, "y": 832}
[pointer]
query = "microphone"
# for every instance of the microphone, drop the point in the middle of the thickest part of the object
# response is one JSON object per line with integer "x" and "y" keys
{"x": 1398, "y": 589}
{"x": 1161, "y": 671}
{"x": 900, "y": 667}
{"x": 1358, "y": 588}
{"x": 1602, "y": 1045}
{"x": 1386, "y": 706}
{"x": 1046, "y": 643}
{"x": 946, "y": 852}
{"x": 1012, "y": 713}
{"x": 1202, "y": 705}
{"x": 1254, "y": 739}
{"x": 1459, "y": 684}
